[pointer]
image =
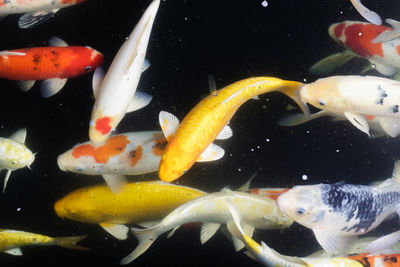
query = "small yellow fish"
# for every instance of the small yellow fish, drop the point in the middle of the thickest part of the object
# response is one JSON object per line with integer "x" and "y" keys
{"x": 191, "y": 140}
{"x": 140, "y": 202}
{"x": 14, "y": 154}
{"x": 11, "y": 241}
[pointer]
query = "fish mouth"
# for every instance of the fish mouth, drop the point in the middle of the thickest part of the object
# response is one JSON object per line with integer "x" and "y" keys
{"x": 60, "y": 164}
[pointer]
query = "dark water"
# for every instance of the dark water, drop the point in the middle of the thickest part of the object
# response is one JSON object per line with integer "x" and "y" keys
{"x": 190, "y": 40}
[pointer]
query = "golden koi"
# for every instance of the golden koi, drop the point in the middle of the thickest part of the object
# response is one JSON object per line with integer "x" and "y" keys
{"x": 191, "y": 140}
{"x": 14, "y": 154}
{"x": 11, "y": 241}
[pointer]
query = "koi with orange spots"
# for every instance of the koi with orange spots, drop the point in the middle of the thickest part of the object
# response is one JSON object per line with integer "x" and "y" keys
{"x": 379, "y": 260}
{"x": 131, "y": 153}
{"x": 54, "y": 65}
{"x": 36, "y": 11}
{"x": 115, "y": 92}
{"x": 360, "y": 40}
{"x": 191, "y": 140}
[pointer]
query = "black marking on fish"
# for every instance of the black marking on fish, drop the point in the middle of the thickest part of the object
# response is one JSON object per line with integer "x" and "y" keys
{"x": 161, "y": 145}
{"x": 36, "y": 59}
{"x": 132, "y": 154}
{"x": 356, "y": 202}
{"x": 382, "y": 95}
{"x": 357, "y": 121}
{"x": 395, "y": 108}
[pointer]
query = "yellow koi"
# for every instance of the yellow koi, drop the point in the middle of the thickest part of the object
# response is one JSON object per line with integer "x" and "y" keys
{"x": 191, "y": 140}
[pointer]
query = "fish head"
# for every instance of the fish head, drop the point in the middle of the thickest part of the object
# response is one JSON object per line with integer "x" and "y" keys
{"x": 17, "y": 156}
{"x": 80, "y": 160}
{"x": 101, "y": 126}
{"x": 171, "y": 167}
{"x": 304, "y": 205}
{"x": 83, "y": 61}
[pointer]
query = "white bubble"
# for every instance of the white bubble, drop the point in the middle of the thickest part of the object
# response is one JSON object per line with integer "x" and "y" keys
{"x": 304, "y": 177}
{"x": 264, "y": 3}
{"x": 304, "y": 80}
{"x": 360, "y": 34}
{"x": 18, "y": 209}
{"x": 239, "y": 169}
{"x": 337, "y": 150}
{"x": 252, "y": 149}
{"x": 267, "y": 140}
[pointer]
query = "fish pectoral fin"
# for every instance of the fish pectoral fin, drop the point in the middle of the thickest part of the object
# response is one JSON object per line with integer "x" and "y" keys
{"x": 391, "y": 126}
{"x": 6, "y": 179}
{"x": 384, "y": 242}
{"x": 329, "y": 64}
{"x": 19, "y": 136}
{"x": 140, "y": 100}
{"x": 52, "y": 86}
{"x": 388, "y": 35}
{"x": 115, "y": 182}
{"x": 146, "y": 65}
{"x": 172, "y": 232}
{"x": 169, "y": 123}
{"x": 212, "y": 152}
{"x": 25, "y": 86}
{"x": 332, "y": 242}
{"x": 14, "y": 252}
{"x": 146, "y": 237}
{"x": 148, "y": 224}
{"x": 225, "y": 133}
{"x": 98, "y": 77}
{"x": 248, "y": 254}
{"x": 58, "y": 42}
{"x": 30, "y": 20}
{"x": 299, "y": 118}
{"x": 246, "y": 186}
{"x": 208, "y": 230}
{"x": 358, "y": 121}
{"x": 396, "y": 174}
{"x": 384, "y": 69}
{"x": 119, "y": 231}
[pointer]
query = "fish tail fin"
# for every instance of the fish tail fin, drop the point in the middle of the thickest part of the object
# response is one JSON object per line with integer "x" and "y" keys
{"x": 292, "y": 90}
{"x": 70, "y": 242}
{"x": 146, "y": 237}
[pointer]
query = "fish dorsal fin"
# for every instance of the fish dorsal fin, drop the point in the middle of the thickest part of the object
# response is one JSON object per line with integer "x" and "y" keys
{"x": 396, "y": 171}
{"x": 246, "y": 186}
{"x": 211, "y": 83}
{"x": 118, "y": 231}
{"x": 140, "y": 100}
{"x": 98, "y": 77}
{"x": 169, "y": 123}
{"x": 212, "y": 152}
{"x": 332, "y": 242}
{"x": 208, "y": 230}
{"x": 52, "y": 86}
{"x": 14, "y": 252}
{"x": 391, "y": 126}
{"x": 58, "y": 42}
{"x": 389, "y": 34}
{"x": 30, "y": 20}
{"x": 225, "y": 133}
{"x": 19, "y": 136}
{"x": 367, "y": 14}
{"x": 115, "y": 182}
{"x": 358, "y": 121}
{"x": 384, "y": 69}
{"x": 25, "y": 86}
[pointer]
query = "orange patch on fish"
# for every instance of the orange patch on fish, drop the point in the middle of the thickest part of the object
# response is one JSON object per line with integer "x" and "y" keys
{"x": 159, "y": 147}
{"x": 115, "y": 145}
{"x": 370, "y": 117}
{"x": 339, "y": 29}
{"x": 398, "y": 49}
{"x": 270, "y": 193}
{"x": 359, "y": 38}
{"x": 384, "y": 260}
{"x": 136, "y": 155}
{"x": 103, "y": 125}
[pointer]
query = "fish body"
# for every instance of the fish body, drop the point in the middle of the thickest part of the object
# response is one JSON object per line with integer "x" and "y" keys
{"x": 191, "y": 140}
{"x": 256, "y": 211}
{"x": 338, "y": 212}
{"x": 12, "y": 240}
{"x": 14, "y": 154}
{"x": 115, "y": 92}
{"x": 130, "y": 153}
{"x": 53, "y": 64}
{"x": 139, "y": 203}
{"x": 358, "y": 97}
{"x": 36, "y": 11}
{"x": 379, "y": 260}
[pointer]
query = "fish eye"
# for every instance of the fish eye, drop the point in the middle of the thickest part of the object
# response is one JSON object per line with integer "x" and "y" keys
{"x": 87, "y": 68}
{"x": 13, "y": 162}
{"x": 300, "y": 211}
{"x": 322, "y": 102}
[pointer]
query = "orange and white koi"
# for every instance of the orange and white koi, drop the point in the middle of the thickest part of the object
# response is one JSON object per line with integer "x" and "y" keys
{"x": 12, "y": 240}
{"x": 36, "y": 11}
{"x": 360, "y": 40}
{"x": 191, "y": 140}
{"x": 141, "y": 203}
{"x": 53, "y": 64}
{"x": 131, "y": 153}
{"x": 115, "y": 92}
{"x": 378, "y": 260}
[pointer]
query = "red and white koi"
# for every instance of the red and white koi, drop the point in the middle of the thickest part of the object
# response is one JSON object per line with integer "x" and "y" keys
{"x": 36, "y": 11}
{"x": 115, "y": 93}
{"x": 131, "y": 153}
{"x": 54, "y": 65}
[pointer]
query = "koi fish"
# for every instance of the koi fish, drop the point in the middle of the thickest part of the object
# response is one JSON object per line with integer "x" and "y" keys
{"x": 131, "y": 153}
{"x": 337, "y": 213}
{"x": 380, "y": 260}
{"x": 191, "y": 140}
{"x": 53, "y": 64}
{"x": 11, "y": 241}
{"x": 359, "y": 39}
{"x": 269, "y": 257}
{"x": 36, "y": 11}
{"x": 256, "y": 211}
{"x": 14, "y": 154}
{"x": 358, "y": 98}
{"x": 142, "y": 203}
{"x": 115, "y": 92}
